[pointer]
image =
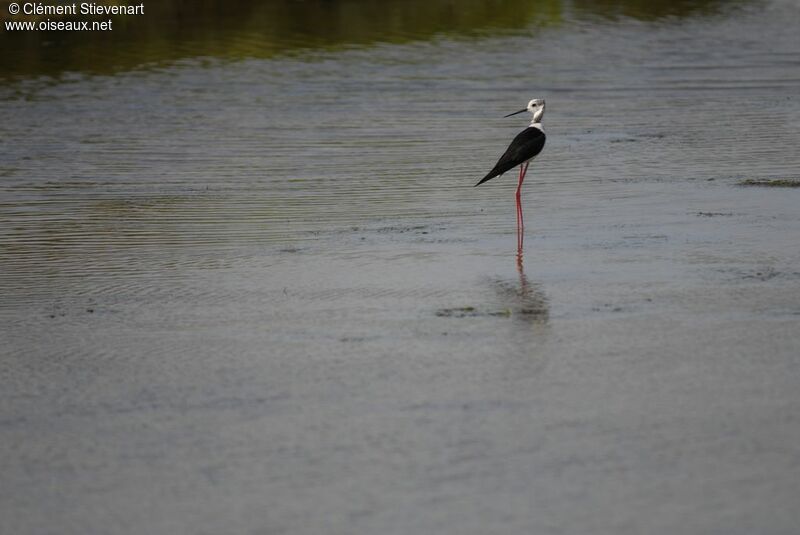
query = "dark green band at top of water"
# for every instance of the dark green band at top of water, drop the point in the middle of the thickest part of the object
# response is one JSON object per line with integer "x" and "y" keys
{"x": 172, "y": 30}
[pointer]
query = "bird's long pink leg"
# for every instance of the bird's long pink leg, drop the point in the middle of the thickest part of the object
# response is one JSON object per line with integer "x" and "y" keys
{"x": 520, "y": 232}
{"x": 520, "y": 223}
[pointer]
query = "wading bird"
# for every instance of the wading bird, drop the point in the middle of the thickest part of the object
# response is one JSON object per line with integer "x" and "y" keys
{"x": 520, "y": 152}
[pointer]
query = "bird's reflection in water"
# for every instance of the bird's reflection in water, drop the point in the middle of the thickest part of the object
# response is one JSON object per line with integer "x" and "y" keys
{"x": 526, "y": 301}
{"x": 522, "y": 301}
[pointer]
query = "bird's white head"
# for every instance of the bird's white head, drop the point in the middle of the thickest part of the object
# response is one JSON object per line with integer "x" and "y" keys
{"x": 536, "y": 107}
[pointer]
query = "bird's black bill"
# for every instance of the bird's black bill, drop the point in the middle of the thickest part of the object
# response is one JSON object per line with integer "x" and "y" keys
{"x": 516, "y": 112}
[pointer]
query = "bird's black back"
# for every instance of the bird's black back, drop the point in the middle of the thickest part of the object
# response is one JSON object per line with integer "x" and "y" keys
{"x": 525, "y": 146}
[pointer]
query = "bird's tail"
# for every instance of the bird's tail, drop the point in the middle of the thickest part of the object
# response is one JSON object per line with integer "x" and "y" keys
{"x": 493, "y": 173}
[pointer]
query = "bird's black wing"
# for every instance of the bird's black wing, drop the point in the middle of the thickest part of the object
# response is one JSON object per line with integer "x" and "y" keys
{"x": 525, "y": 146}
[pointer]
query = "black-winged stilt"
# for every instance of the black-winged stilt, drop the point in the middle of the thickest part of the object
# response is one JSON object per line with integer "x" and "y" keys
{"x": 520, "y": 152}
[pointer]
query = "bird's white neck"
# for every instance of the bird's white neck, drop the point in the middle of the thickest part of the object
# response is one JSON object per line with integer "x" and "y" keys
{"x": 537, "y": 114}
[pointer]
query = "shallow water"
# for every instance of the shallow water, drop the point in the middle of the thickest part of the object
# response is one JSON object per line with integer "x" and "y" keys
{"x": 257, "y": 292}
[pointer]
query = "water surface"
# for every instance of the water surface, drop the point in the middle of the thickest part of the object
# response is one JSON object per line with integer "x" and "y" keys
{"x": 247, "y": 285}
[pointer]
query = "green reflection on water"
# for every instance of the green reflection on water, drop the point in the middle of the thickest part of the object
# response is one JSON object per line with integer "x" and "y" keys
{"x": 647, "y": 9}
{"x": 173, "y": 29}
